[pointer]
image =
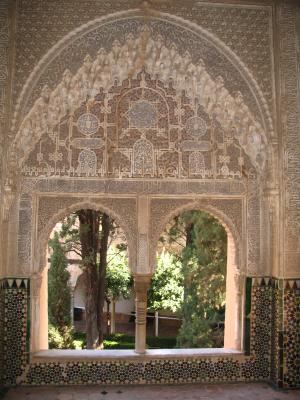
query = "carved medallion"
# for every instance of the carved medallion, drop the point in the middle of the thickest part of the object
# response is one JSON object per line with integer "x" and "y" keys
{"x": 196, "y": 127}
{"x": 88, "y": 124}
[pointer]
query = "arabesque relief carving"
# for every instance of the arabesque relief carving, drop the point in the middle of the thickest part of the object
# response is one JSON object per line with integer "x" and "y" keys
{"x": 290, "y": 64}
{"x": 225, "y": 22}
{"x": 141, "y": 110}
{"x": 145, "y": 115}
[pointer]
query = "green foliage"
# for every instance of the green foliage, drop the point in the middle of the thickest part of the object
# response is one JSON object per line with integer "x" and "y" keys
{"x": 110, "y": 344}
{"x": 69, "y": 227}
{"x": 199, "y": 242}
{"x": 79, "y": 340}
{"x": 59, "y": 294}
{"x": 166, "y": 290}
{"x": 60, "y": 339}
{"x": 118, "y": 278}
{"x": 161, "y": 342}
{"x": 123, "y": 341}
{"x": 101, "y": 246}
{"x": 204, "y": 271}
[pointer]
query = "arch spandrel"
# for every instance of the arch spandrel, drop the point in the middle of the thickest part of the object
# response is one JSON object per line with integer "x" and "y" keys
{"x": 243, "y": 112}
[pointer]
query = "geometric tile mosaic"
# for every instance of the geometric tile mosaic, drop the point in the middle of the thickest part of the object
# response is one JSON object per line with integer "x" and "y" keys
{"x": 291, "y": 336}
{"x": 13, "y": 325}
{"x": 255, "y": 367}
{"x": 271, "y": 355}
{"x": 285, "y": 344}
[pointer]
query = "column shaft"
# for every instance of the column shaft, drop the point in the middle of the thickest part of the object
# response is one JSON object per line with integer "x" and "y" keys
{"x": 141, "y": 284}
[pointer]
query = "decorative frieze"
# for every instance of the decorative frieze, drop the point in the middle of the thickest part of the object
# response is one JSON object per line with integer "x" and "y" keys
{"x": 289, "y": 83}
{"x": 4, "y": 68}
{"x": 4, "y": 38}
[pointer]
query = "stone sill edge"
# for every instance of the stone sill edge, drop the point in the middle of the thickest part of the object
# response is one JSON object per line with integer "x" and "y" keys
{"x": 62, "y": 356}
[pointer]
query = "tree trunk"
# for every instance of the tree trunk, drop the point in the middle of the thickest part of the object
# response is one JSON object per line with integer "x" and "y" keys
{"x": 113, "y": 317}
{"x": 108, "y": 317}
{"x": 189, "y": 228}
{"x": 105, "y": 230}
{"x": 156, "y": 321}
{"x": 89, "y": 239}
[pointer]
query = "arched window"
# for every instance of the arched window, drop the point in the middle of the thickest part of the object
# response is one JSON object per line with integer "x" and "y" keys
{"x": 194, "y": 290}
{"x": 86, "y": 287}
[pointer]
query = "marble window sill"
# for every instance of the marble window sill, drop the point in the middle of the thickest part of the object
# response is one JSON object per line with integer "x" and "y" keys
{"x": 43, "y": 356}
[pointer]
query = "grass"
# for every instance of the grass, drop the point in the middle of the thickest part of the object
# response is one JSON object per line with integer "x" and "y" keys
{"x": 123, "y": 341}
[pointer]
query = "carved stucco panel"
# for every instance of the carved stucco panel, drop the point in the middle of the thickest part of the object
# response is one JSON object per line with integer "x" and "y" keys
{"x": 201, "y": 44}
{"x": 142, "y": 127}
{"x": 4, "y": 42}
{"x": 131, "y": 187}
{"x": 233, "y": 24}
{"x": 290, "y": 87}
{"x": 253, "y": 235}
{"x": 49, "y": 206}
{"x": 4, "y": 49}
{"x": 25, "y": 232}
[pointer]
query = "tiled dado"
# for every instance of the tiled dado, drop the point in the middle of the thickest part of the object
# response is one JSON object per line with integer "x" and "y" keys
{"x": 14, "y": 338}
{"x": 145, "y": 372}
{"x": 255, "y": 367}
{"x": 271, "y": 351}
{"x": 291, "y": 334}
{"x": 285, "y": 349}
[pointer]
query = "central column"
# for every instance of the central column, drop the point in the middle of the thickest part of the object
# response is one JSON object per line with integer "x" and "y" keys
{"x": 141, "y": 285}
{"x": 142, "y": 275}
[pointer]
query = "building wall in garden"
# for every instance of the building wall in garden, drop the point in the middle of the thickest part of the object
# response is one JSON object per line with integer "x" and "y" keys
{"x": 143, "y": 110}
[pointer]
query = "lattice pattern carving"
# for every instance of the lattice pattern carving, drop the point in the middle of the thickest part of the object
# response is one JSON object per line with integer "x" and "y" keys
{"x": 55, "y": 20}
{"x": 144, "y": 129}
{"x": 166, "y": 92}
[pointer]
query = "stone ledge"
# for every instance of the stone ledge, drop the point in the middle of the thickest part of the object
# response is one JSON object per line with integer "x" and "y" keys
{"x": 46, "y": 356}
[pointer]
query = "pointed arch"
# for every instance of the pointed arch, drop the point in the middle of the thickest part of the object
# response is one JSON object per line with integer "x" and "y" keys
{"x": 42, "y": 239}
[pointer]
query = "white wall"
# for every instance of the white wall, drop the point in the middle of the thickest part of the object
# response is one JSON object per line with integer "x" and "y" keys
{"x": 122, "y": 306}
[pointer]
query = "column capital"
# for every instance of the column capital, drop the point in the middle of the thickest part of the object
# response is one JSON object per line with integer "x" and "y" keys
{"x": 36, "y": 284}
{"x": 142, "y": 278}
{"x": 141, "y": 285}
